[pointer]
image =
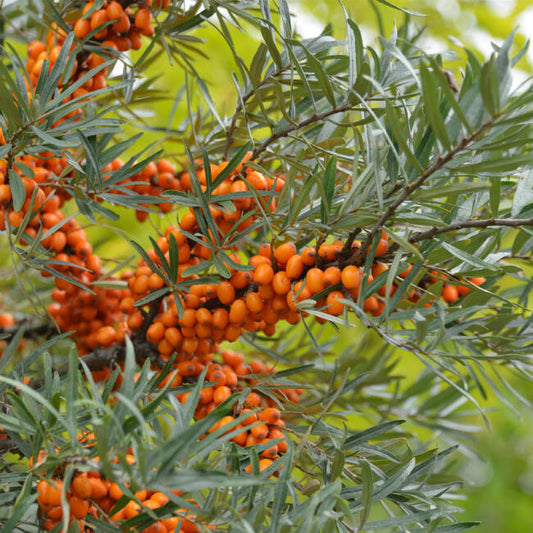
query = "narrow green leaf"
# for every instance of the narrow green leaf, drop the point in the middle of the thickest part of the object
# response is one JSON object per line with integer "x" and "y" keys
{"x": 18, "y": 192}
{"x": 232, "y": 165}
{"x": 524, "y": 193}
{"x": 490, "y": 86}
{"x": 328, "y": 183}
{"x": 403, "y": 9}
{"x": 354, "y": 42}
{"x": 432, "y": 106}
{"x": 466, "y": 257}
{"x": 367, "y": 492}
{"x": 400, "y": 136}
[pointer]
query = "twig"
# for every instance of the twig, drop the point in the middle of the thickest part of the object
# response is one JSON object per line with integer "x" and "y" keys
{"x": 240, "y": 107}
{"x": 102, "y": 358}
{"x": 510, "y": 222}
{"x": 346, "y": 251}
{"x": 316, "y": 117}
{"x": 7, "y": 444}
{"x": 31, "y": 331}
{"x": 411, "y": 187}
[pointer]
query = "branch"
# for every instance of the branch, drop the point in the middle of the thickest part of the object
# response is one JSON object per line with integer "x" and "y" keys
{"x": 102, "y": 358}
{"x": 31, "y": 331}
{"x": 240, "y": 107}
{"x": 509, "y": 222}
{"x": 7, "y": 444}
{"x": 411, "y": 187}
{"x": 316, "y": 117}
{"x": 97, "y": 360}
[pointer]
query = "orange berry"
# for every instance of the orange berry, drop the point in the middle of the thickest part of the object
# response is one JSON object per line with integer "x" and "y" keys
{"x": 334, "y": 307}
{"x": 241, "y": 279}
{"x": 284, "y": 252}
{"x": 171, "y": 524}
{"x": 98, "y": 488}
{"x": 371, "y": 305}
{"x": 251, "y": 419}
{"x": 308, "y": 256}
{"x": 264, "y": 274}
{"x": 155, "y": 332}
{"x": 204, "y": 317}
{"x": 232, "y": 358}
{"x": 265, "y": 250}
{"x": 226, "y": 292}
{"x": 220, "y": 319}
{"x": 254, "y": 302}
{"x": 114, "y": 10}
{"x": 143, "y": 18}
{"x": 81, "y": 485}
{"x": 270, "y": 415}
{"x": 450, "y": 294}
{"x": 269, "y": 452}
{"x": 106, "y": 336}
{"x": 78, "y": 506}
{"x": 332, "y": 276}
{"x": 99, "y": 18}
{"x": 132, "y": 509}
{"x": 263, "y": 464}
{"x": 275, "y": 434}
{"x": 259, "y": 432}
{"x": 238, "y": 312}
{"x": 190, "y": 345}
{"x": 15, "y": 218}
{"x": 82, "y": 28}
{"x": 141, "y": 285}
{"x": 382, "y": 248}
{"x": 253, "y": 399}
{"x": 295, "y": 267}
{"x": 221, "y": 394}
{"x": 328, "y": 252}
{"x": 173, "y": 336}
{"x": 49, "y": 493}
{"x": 281, "y": 283}
{"x": 115, "y": 491}
{"x": 351, "y": 277}
{"x": 315, "y": 280}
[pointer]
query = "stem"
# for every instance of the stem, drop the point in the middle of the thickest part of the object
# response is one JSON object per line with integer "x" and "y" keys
{"x": 509, "y": 222}
{"x": 240, "y": 107}
{"x": 316, "y": 117}
{"x": 440, "y": 162}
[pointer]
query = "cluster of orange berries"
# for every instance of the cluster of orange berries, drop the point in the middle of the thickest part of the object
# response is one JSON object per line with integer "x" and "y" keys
{"x": 261, "y": 425}
{"x": 89, "y": 493}
{"x": 253, "y": 188}
{"x": 250, "y": 300}
{"x": 110, "y": 26}
{"x": 452, "y": 292}
{"x": 232, "y": 375}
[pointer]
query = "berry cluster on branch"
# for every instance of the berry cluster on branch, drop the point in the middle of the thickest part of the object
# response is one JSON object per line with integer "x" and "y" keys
{"x": 179, "y": 316}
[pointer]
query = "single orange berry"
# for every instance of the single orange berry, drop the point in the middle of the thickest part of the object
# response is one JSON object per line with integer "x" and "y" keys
{"x": 284, "y": 252}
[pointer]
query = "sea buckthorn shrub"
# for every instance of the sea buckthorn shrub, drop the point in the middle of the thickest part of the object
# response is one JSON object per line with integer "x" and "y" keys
{"x": 238, "y": 368}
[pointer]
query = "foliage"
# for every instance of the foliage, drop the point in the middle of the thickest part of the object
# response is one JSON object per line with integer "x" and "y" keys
{"x": 373, "y": 160}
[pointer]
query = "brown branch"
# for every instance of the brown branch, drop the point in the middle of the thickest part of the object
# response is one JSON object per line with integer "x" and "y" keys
{"x": 102, "y": 358}
{"x": 240, "y": 107}
{"x": 7, "y": 444}
{"x": 316, "y": 117}
{"x": 509, "y": 222}
{"x": 31, "y": 331}
{"x": 440, "y": 162}
{"x": 346, "y": 251}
